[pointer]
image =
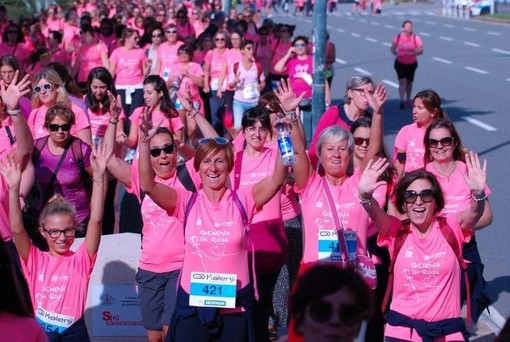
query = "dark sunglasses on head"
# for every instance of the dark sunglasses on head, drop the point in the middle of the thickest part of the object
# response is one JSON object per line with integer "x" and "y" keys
{"x": 426, "y": 196}
{"x": 359, "y": 141}
{"x": 55, "y": 127}
{"x": 168, "y": 149}
{"x": 217, "y": 140}
{"x": 445, "y": 142}
{"x": 45, "y": 86}
{"x": 349, "y": 314}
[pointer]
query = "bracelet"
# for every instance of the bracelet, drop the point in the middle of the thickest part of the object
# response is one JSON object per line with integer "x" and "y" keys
{"x": 98, "y": 181}
{"x": 113, "y": 121}
{"x": 479, "y": 199}
{"x": 292, "y": 114}
{"x": 13, "y": 112}
{"x": 365, "y": 201}
{"x": 192, "y": 114}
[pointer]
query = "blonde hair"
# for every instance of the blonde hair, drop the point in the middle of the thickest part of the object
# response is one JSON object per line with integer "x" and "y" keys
{"x": 57, "y": 205}
{"x": 54, "y": 79}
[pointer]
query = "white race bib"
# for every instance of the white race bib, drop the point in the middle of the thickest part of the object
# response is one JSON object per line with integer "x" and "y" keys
{"x": 250, "y": 91}
{"x": 216, "y": 290}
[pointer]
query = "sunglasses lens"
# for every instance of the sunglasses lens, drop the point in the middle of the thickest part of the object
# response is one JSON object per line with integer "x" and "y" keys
{"x": 410, "y": 196}
{"x": 446, "y": 141}
{"x": 155, "y": 152}
{"x": 359, "y": 141}
{"x": 433, "y": 143}
{"x": 47, "y": 86}
{"x": 168, "y": 149}
{"x": 351, "y": 314}
{"x": 427, "y": 196}
{"x": 217, "y": 140}
{"x": 37, "y": 89}
{"x": 320, "y": 311}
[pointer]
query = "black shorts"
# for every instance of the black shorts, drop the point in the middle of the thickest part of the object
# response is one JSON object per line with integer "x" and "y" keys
{"x": 406, "y": 71}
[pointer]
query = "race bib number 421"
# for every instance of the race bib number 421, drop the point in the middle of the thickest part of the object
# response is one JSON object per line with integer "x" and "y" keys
{"x": 217, "y": 290}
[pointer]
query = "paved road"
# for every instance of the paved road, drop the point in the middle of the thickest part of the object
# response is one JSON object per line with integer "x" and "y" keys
{"x": 468, "y": 63}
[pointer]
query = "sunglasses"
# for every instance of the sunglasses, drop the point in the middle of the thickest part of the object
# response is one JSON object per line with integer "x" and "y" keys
{"x": 54, "y": 127}
{"x": 445, "y": 142}
{"x": 13, "y": 32}
{"x": 360, "y": 141}
{"x": 181, "y": 17}
{"x": 157, "y": 35}
{"x": 168, "y": 149}
{"x": 299, "y": 45}
{"x": 284, "y": 31}
{"x": 322, "y": 312}
{"x": 45, "y": 86}
{"x": 219, "y": 39}
{"x": 217, "y": 140}
{"x": 55, "y": 233}
{"x": 171, "y": 32}
{"x": 426, "y": 196}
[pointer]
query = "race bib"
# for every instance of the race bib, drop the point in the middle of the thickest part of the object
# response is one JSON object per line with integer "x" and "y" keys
{"x": 250, "y": 91}
{"x": 328, "y": 246}
{"x": 215, "y": 82}
{"x": 166, "y": 74}
{"x": 214, "y": 290}
{"x": 51, "y": 321}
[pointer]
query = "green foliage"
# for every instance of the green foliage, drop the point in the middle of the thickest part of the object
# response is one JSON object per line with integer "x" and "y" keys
{"x": 17, "y": 8}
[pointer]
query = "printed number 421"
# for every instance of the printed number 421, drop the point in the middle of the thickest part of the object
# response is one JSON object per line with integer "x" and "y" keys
{"x": 212, "y": 290}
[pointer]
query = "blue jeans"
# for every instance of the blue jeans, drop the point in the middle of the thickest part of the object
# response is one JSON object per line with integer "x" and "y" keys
{"x": 240, "y": 107}
{"x": 217, "y": 106}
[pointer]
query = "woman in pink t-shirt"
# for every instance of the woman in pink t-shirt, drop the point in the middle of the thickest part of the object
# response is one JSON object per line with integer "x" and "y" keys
{"x": 216, "y": 246}
{"x": 58, "y": 279}
{"x": 409, "y": 149}
{"x": 184, "y": 27}
{"x": 13, "y": 44}
{"x": 92, "y": 53}
{"x": 49, "y": 89}
{"x": 445, "y": 157}
{"x": 8, "y": 67}
{"x": 425, "y": 250}
{"x": 279, "y": 47}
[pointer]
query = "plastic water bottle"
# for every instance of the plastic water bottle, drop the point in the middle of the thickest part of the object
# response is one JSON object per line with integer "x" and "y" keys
{"x": 285, "y": 144}
{"x": 176, "y": 82}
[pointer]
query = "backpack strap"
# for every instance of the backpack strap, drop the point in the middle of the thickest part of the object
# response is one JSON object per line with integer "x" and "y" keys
{"x": 185, "y": 178}
{"x": 238, "y": 164}
{"x": 77, "y": 152}
{"x": 401, "y": 237}
{"x": 235, "y": 68}
{"x": 259, "y": 70}
{"x": 12, "y": 138}
{"x": 38, "y": 147}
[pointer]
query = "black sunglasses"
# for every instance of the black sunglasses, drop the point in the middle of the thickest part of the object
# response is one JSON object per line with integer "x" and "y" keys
{"x": 445, "y": 142}
{"x": 322, "y": 312}
{"x": 157, "y": 35}
{"x": 426, "y": 196}
{"x": 359, "y": 141}
{"x": 168, "y": 149}
{"x": 54, "y": 127}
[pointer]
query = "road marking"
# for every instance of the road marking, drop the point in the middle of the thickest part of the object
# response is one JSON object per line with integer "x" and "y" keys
{"x": 340, "y": 30}
{"x": 390, "y": 83}
{"x": 424, "y": 34}
{"x": 479, "y": 71}
{"x": 362, "y": 20}
{"x": 363, "y": 71}
{"x": 341, "y": 61}
{"x": 494, "y": 321}
{"x": 389, "y": 26}
{"x": 469, "y": 29}
{"x": 480, "y": 124}
{"x": 430, "y": 22}
{"x": 472, "y": 44}
{"x": 373, "y": 40}
{"x": 446, "y": 38}
{"x": 441, "y": 60}
{"x": 355, "y": 34}
{"x": 415, "y": 13}
{"x": 494, "y": 33}
{"x": 375, "y": 23}
{"x": 386, "y": 44}
{"x": 330, "y": 27}
{"x": 448, "y": 25}
{"x": 508, "y": 79}
{"x": 504, "y": 52}
{"x": 399, "y": 13}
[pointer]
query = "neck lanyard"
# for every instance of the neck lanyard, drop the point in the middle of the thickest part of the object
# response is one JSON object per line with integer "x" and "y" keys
{"x": 338, "y": 223}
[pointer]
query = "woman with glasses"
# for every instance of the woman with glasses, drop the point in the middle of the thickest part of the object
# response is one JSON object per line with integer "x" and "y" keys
{"x": 215, "y": 67}
{"x": 157, "y": 36}
{"x": 196, "y": 21}
{"x": 331, "y": 310}
{"x": 425, "y": 250}
{"x": 8, "y": 67}
{"x": 49, "y": 89}
{"x": 445, "y": 158}
{"x": 262, "y": 50}
{"x": 280, "y": 47}
{"x": 408, "y": 150}
{"x": 59, "y": 311}
{"x": 167, "y": 53}
{"x": 13, "y": 44}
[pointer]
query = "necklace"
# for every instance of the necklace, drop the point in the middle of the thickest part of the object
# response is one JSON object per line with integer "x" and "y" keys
{"x": 446, "y": 174}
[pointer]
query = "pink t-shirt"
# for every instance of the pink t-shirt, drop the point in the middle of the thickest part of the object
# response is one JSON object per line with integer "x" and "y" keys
{"x": 267, "y": 231}
{"x": 167, "y": 55}
{"x": 5, "y": 225}
{"x": 58, "y": 286}
{"x": 187, "y": 30}
{"x": 297, "y": 69}
{"x": 263, "y": 56}
{"x": 90, "y": 57}
{"x": 54, "y": 25}
{"x": 279, "y": 49}
{"x": 233, "y": 56}
{"x": 173, "y": 124}
{"x": 216, "y": 62}
{"x": 21, "y": 329}
{"x": 162, "y": 235}
{"x": 129, "y": 66}
{"x": 99, "y": 122}
{"x": 37, "y": 116}
{"x": 410, "y": 140}
{"x": 20, "y": 50}
{"x": 317, "y": 214}
{"x": 457, "y": 195}
{"x": 247, "y": 89}
{"x": 71, "y": 35}
{"x": 427, "y": 278}
{"x": 6, "y": 145}
{"x": 186, "y": 83}
{"x": 215, "y": 238}
{"x": 405, "y": 45}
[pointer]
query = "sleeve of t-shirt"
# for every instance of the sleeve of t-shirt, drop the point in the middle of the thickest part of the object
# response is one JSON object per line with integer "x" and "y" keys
{"x": 30, "y": 266}
{"x": 114, "y": 57}
{"x": 31, "y": 120}
{"x": 82, "y": 119}
{"x": 195, "y": 176}
{"x": 135, "y": 116}
{"x": 400, "y": 142}
{"x": 196, "y": 70}
{"x": 327, "y": 119}
{"x": 86, "y": 262}
{"x": 463, "y": 236}
{"x": 246, "y": 198}
{"x": 176, "y": 124}
{"x": 208, "y": 57}
{"x": 419, "y": 42}
{"x": 311, "y": 185}
{"x": 135, "y": 182}
{"x": 183, "y": 197}
{"x": 388, "y": 240}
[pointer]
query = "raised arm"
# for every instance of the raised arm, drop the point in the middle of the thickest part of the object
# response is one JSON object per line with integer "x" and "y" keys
{"x": 476, "y": 178}
{"x": 11, "y": 171}
{"x": 98, "y": 160}
{"x": 280, "y": 66}
{"x": 264, "y": 190}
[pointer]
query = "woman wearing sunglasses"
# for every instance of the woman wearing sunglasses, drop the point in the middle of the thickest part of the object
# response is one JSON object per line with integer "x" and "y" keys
{"x": 49, "y": 89}
{"x": 425, "y": 250}
{"x": 331, "y": 310}
{"x": 157, "y": 36}
{"x": 279, "y": 47}
{"x": 162, "y": 236}
{"x": 167, "y": 53}
{"x": 445, "y": 157}
{"x": 13, "y": 44}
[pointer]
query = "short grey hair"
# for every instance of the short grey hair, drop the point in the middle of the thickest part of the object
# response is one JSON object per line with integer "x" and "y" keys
{"x": 355, "y": 82}
{"x": 337, "y": 133}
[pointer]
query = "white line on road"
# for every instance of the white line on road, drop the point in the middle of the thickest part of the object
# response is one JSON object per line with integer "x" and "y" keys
{"x": 386, "y": 44}
{"x": 390, "y": 83}
{"x": 441, "y": 60}
{"x": 362, "y": 20}
{"x": 479, "y": 71}
{"x": 470, "y": 29}
{"x": 448, "y": 25}
{"x": 341, "y": 61}
{"x": 424, "y": 34}
{"x": 355, "y": 34}
{"x": 504, "y": 52}
{"x": 471, "y": 44}
{"x": 446, "y": 38}
{"x": 494, "y": 33}
{"x": 430, "y": 22}
{"x": 494, "y": 321}
{"x": 508, "y": 79}
{"x": 340, "y": 30}
{"x": 480, "y": 124}
{"x": 389, "y": 26}
{"x": 373, "y": 40}
{"x": 375, "y": 23}
{"x": 363, "y": 71}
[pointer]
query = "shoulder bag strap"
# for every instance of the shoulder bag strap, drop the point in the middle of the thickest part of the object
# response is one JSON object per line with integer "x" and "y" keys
{"x": 51, "y": 184}
{"x": 238, "y": 164}
{"x": 336, "y": 219}
{"x": 12, "y": 138}
{"x": 185, "y": 178}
